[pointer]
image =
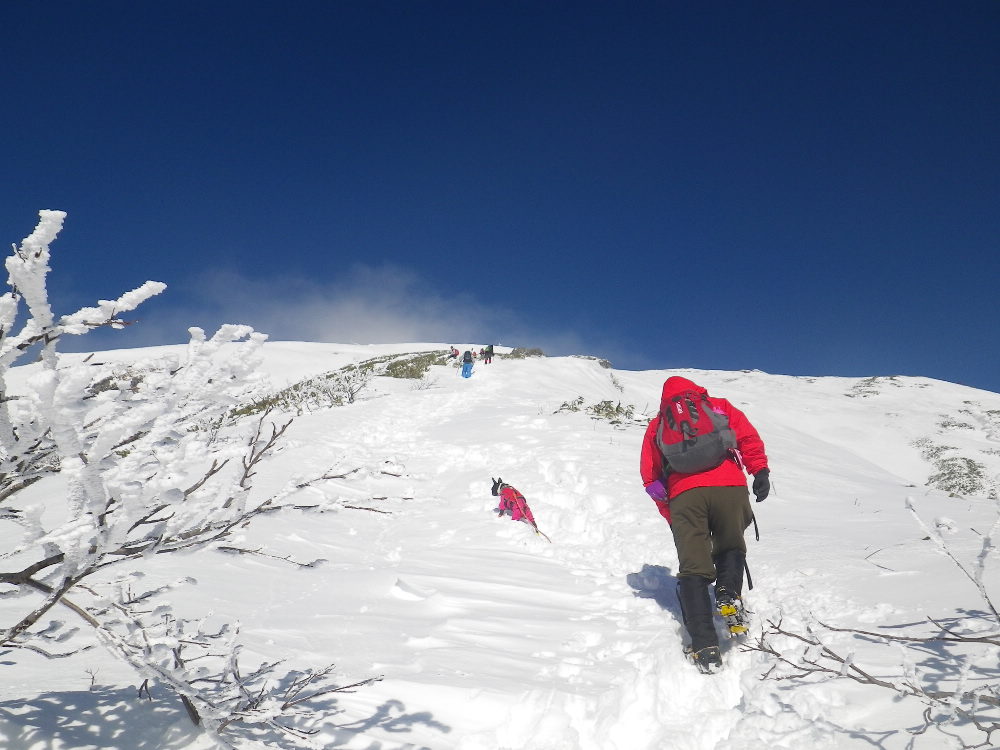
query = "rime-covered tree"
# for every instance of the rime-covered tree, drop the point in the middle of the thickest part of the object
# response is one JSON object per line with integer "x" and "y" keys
{"x": 149, "y": 464}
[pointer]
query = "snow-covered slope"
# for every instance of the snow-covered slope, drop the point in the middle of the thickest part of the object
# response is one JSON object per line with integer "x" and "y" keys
{"x": 490, "y": 637}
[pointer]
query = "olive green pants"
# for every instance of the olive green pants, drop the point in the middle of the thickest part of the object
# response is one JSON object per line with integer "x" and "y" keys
{"x": 708, "y": 521}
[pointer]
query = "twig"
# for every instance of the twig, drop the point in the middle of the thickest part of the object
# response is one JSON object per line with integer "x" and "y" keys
{"x": 261, "y": 553}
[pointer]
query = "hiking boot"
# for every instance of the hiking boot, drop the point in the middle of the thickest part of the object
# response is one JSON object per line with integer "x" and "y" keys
{"x": 730, "y": 607}
{"x": 708, "y": 660}
{"x": 724, "y": 595}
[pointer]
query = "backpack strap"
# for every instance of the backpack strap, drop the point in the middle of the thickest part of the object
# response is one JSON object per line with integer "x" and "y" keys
{"x": 664, "y": 464}
{"x": 746, "y": 568}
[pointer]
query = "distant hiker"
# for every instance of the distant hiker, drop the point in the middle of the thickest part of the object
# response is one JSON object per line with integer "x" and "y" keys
{"x": 482, "y": 353}
{"x": 693, "y": 458}
{"x": 488, "y": 354}
{"x": 467, "y": 364}
{"x": 453, "y": 354}
{"x": 513, "y": 504}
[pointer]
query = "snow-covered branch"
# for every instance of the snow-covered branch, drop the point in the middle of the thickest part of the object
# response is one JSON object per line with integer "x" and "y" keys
{"x": 807, "y": 652}
{"x": 976, "y": 574}
{"x": 151, "y": 461}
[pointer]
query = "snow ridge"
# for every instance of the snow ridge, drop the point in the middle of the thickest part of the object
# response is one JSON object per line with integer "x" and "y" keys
{"x": 489, "y": 637}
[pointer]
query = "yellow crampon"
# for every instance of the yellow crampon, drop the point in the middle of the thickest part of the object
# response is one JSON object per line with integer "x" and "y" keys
{"x": 735, "y": 616}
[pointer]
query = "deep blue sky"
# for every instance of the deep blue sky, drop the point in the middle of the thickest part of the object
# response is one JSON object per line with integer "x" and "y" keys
{"x": 800, "y": 187}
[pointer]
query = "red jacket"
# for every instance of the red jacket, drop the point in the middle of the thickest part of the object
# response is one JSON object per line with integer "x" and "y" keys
{"x": 727, "y": 474}
{"x": 513, "y": 502}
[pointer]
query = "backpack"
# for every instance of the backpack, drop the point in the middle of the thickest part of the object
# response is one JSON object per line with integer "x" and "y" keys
{"x": 691, "y": 436}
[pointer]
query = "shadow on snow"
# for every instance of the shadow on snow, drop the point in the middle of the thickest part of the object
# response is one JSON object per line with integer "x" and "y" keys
{"x": 102, "y": 717}
{"x": 109, "y": 717}
{"x": 657, "y": 583}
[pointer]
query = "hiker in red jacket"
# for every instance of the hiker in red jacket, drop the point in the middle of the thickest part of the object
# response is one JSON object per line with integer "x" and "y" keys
{"x": 693, "y": 459}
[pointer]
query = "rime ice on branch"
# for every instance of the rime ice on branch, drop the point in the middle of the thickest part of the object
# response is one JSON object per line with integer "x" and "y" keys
{"x": 151, "y": 464}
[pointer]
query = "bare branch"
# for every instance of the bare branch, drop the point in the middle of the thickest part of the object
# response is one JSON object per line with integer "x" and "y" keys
{"x": 214, "y": 469}
{"x": 954, "y": 638}
{"x": 261, "y": 553}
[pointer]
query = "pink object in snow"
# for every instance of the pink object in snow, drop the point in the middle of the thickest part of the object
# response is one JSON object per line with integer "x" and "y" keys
{"x": 513, "y": 502}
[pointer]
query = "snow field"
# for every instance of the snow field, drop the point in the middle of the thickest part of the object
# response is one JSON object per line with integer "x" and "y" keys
{"x": 489, "y": 637}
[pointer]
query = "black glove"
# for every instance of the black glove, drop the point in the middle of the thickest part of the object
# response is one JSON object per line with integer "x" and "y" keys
{"x": 761, "y": 484}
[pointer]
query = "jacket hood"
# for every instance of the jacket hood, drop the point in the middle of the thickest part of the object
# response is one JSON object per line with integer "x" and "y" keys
{"x": 676, "y": 385}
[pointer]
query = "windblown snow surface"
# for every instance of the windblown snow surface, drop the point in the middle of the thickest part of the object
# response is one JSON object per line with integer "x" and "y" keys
{"x": 488, "y": 637}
